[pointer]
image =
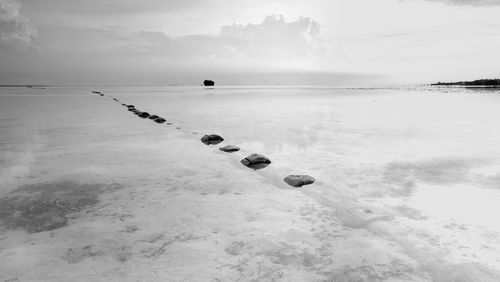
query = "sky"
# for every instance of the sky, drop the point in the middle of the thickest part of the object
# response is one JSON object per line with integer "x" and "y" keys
{"x": 337, "y": 42}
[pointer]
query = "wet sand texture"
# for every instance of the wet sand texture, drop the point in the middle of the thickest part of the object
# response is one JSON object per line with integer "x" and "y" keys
{"x": 43, "y": 207}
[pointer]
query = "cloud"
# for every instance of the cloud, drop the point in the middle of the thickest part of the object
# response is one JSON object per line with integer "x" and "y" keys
{"x": 70, "y": 52}
{"x": 273, "y": 39}
{"x": 113, "y": 7}
{"x": 16, "y": 31}
{"x": 471, "y": 2}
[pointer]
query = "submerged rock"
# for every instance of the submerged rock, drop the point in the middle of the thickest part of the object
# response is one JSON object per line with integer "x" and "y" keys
{"x": 212, "y": 139}
{"x": 230, "y": 148}
{"x": 256, "y": 161}
{"x": 160, "y": 120}
{"x": 132, "y": 109}
{"x": 299, "y": 180}
{"x": 143, "y": 114}
{"x": 153, "y": 117}
{"x": 208, "y": 82}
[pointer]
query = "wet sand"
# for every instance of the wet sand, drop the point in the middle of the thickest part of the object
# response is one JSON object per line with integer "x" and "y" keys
{"x": 90, "y": 191}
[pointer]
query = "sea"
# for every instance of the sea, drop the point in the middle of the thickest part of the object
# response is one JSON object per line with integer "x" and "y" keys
{"x": 407, "y": 184}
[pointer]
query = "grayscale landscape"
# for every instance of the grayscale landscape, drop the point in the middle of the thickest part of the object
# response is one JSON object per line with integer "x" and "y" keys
{"x": 249, "y": 140}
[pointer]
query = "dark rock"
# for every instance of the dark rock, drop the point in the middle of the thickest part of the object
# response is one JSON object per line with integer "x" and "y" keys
{"x": 208, "y": 83}
{"x": 130, "y": 106}
{"x": 299, "y": 180}
{"x": 230, "y": 149}
{"x": 143, "y": 114}
{"x": 101, "y": 95}
{"x": 132, "y": 109}
{"x": 160, "y": 120}
{"x": 256, "y": 161}
{"x": 153, "y": 117}
{"x": 212, "y": 139}
{"x": 96, "y": 92}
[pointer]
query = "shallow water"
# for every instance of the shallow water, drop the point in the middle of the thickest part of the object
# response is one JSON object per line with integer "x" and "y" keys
{"x": 408, "y": 185}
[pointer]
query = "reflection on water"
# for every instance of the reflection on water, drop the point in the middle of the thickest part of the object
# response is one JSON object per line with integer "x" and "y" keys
{"x": 407, "y": 181}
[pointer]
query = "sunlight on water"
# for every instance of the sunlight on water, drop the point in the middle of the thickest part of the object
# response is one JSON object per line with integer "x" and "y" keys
{"x": 408, "y": 181}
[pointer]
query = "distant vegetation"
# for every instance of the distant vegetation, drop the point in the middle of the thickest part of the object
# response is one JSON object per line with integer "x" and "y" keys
{"x": 479, "y": 82}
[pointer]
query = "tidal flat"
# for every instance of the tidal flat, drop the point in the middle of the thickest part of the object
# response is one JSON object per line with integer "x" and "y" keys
{"x": 406, "y": 184}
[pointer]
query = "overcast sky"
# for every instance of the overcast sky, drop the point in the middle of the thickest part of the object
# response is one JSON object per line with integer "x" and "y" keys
{"x": 157, "y": 42}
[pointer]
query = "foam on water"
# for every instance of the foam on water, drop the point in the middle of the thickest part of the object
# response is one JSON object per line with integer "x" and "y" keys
{"x": 407, "y": 181}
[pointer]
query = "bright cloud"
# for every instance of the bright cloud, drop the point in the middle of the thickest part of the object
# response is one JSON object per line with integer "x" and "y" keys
{"x": 273, "y": 39}
{"x": 472, "y": 2}
{"x": 16, "y": 31}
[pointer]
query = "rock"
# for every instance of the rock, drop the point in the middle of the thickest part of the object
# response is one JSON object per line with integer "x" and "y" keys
{"x": 160, "y": 120}
{"x": 133, "y": 110}
{"x": 143, "y": 114}
{"x": 212, "y": 139}
{"x": 208, "y": 83}
{"x": 130, "y": 106}
{"x": 299, "y": 180}
{"x": 153, "y": 117}
{"x": 256, "y": 161}
{"x": 96, "y": 92}
{"x": 169, "y": 123}
{"x": 230, "y": 149}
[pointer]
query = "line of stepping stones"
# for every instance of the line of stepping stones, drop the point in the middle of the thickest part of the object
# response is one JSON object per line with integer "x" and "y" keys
{"x": 253, "y": 161}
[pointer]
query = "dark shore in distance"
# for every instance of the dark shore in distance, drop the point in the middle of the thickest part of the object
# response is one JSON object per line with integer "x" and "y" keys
{"x": 480, "y": 82}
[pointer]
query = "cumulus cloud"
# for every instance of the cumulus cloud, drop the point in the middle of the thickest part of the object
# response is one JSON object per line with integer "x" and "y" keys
{"x": 471, "y": 2}
{"x": 274, "y": 38}
{"x": 16, "y": 31}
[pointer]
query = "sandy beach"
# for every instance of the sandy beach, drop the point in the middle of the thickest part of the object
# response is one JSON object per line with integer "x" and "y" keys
{"x": 407, "y": 184}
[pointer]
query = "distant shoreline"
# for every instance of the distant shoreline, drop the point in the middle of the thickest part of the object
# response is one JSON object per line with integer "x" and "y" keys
{"x": 480, "y": 82}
